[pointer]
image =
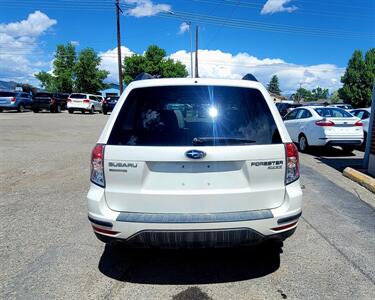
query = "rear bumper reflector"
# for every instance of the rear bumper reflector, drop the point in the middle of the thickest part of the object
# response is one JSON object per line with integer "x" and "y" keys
{"x": 99, "y": 222}
{"x": 289, "y": 219}
{"x": 105, "y": 231}
{"x": 284, "y": 226}
{"x": 132, "y": 217}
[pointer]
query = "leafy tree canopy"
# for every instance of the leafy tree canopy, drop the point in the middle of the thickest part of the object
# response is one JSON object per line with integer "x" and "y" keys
{"x": 72, "y": 74}
{"x": 273, "y": 85}
{"x": 88, "y": 77}
{"x": 154, "y": 62}
{"x": 358, "y": 80}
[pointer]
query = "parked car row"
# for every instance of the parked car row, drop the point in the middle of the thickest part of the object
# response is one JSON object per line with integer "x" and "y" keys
{"x": 56, "y": 102}
{"x": 326, "y": 126}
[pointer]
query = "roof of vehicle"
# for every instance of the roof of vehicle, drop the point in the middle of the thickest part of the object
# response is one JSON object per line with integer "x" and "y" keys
{"x": 194, "y": 81}
{"x": 366, "y": 108}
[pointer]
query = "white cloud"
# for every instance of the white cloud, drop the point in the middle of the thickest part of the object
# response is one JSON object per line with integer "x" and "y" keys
{"x": 19, "y": 47}
{"x": 75, "y": 43}
{"x": 145, "y": 8}
{"x": 184, "y": 27}
{"x": 274, "y": 6}
{"x": 109, "y": 62}
{"x": 35, "y": 24}
{"x": 218, "y": 64}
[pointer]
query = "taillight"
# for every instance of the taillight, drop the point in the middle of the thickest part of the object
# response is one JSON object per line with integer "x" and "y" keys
{"x": 104, "y": 102}
{"x": 324, "y": 123}
{"x": 13, "y": 99}
{"x": 97, "y": 165}
{"x": 52, "y": 101}
{"x": 86, "y": 101}
{"x": 69, "y": 100}
{"x": 292, "y": 163}
{"x": 358, "y": 123}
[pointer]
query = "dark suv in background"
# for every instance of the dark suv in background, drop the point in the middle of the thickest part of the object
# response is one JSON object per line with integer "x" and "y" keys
{"x": 53, "y": 102}
{"x": 284, "y": 108}
{"x": 109, "y": 103}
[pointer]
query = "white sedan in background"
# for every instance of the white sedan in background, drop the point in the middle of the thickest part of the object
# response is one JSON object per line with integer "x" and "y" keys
{"x": 364, "y": 115}
{"x": 324, "y": 126}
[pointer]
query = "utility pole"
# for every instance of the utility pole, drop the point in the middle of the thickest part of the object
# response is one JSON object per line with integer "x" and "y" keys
{"x": 191, "y": 51}
{"x": 119, "y": 62}
{"x": 196, "y": 51}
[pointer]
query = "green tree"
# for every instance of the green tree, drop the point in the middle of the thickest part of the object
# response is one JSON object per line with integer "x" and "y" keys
{"x": 154, "y": 62}
{"x": 335, "y": 98}
{"x": 62, "y": 78}
{"x": 88, "y": 77}
{"x": 358, "y": 79}
{"x": 47, "y": 81}
{"x": 319, "y": 93}
{"x": 273, "y": 85}
{"x": 303, "y": 94}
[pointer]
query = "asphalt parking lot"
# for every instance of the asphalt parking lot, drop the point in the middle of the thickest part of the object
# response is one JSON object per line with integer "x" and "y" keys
{"x": 48, "y": 249}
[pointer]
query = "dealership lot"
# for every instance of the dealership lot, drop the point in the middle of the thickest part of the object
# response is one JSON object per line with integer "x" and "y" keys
{"x": 48, "y": 249}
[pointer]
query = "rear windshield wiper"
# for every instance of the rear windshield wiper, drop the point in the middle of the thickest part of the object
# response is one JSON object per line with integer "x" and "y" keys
{"x": 200, "y": 141}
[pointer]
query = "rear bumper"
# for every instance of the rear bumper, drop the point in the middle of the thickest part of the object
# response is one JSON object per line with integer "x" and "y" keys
{"x": 195, "y": 230}
{"x": 197, "y": 239}
{"x": 108, "y": 108}
{"x": 78, "y": 106}
{"x": 340, "y": 141}
{"x": 11, "y": 106}
{"x": 41, "y": 106}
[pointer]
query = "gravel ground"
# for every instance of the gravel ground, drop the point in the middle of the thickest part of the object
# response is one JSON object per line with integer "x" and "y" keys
{"x": 48, "y": 250}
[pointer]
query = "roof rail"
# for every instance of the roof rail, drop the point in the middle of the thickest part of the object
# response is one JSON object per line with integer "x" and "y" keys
{"x": 143, "y": 76}
{"x": 250, "y": 77}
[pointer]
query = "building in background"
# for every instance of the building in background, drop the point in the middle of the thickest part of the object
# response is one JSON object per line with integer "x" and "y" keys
{"x": 113, "y": 90}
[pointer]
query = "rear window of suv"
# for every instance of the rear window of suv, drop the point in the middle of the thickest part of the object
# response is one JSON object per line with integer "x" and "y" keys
{"x": 78, "y": 96}
{"x": 7, "y": 94}
{"x": 194, "y": 116}
{"x": 43, "y": 95}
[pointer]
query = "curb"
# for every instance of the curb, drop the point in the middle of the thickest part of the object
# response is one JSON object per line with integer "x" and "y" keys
{"x": 363, "y": 179}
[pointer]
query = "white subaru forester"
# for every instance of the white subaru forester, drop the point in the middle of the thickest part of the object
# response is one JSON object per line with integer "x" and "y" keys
{"x": 194, "y": 163}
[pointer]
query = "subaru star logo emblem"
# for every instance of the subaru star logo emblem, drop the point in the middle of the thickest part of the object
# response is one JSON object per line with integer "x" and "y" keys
{"x": 195, "y": 154}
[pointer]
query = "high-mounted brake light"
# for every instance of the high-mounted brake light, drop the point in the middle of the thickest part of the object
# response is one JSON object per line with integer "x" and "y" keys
{"x": 97, "y": 165}
{"x": 358, "y": 123}
{"x": 292, "y": 163}
{"x": 324, "y": 123}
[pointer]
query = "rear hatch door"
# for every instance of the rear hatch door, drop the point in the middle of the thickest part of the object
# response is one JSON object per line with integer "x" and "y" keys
{"x": 164, "y": 160}
{"x": 5, "y": 97}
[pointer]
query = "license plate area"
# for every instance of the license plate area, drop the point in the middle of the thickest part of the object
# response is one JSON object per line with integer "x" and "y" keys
{"x": 195, "y": 167}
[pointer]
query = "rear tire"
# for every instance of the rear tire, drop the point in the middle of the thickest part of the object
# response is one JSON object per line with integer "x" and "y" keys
{"x": 35, "y": 110}
{"x": 1, "y": 110}
{"x": 303, "y": 145}
{"x": 105, "y": 112}
{"x": 92, "y": 110}
{"x": 21, "y": 108}
{"x": 58, "y": 109}
{"x": 70, "y": 111}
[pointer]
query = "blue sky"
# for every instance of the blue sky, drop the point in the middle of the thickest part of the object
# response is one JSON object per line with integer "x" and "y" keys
{"x": 302, "y": 41}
